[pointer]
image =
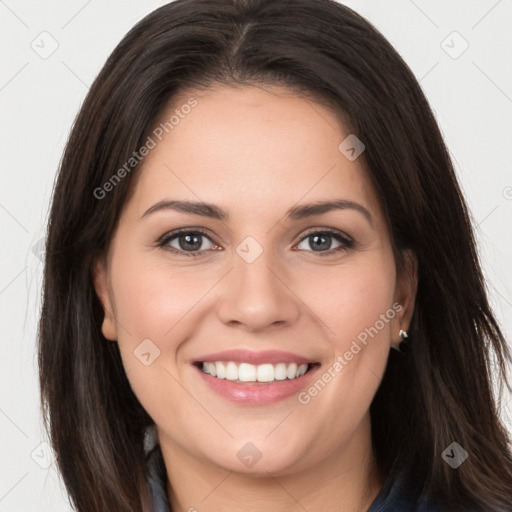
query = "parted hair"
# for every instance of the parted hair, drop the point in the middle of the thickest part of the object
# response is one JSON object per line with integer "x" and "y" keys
{"x": 439, "y": 392}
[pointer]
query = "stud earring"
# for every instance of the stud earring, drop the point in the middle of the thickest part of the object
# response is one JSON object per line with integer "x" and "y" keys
{"x": 402, "y": 346}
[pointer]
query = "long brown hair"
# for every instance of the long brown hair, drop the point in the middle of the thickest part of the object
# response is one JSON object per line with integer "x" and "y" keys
{"x": 438, "y": 393}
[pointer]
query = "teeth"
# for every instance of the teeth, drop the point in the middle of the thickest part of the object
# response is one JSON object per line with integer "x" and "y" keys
{"x": 218, "y": 368}
{"x": 231, "y": 371}
{"x": 245, "y": 372}
{"x": 291, "y": 371}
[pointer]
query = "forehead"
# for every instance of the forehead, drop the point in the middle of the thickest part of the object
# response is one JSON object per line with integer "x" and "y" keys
{"x": 252, "y": 148}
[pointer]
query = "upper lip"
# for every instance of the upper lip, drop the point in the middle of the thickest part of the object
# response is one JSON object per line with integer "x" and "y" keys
{"x": 248, "y": 356}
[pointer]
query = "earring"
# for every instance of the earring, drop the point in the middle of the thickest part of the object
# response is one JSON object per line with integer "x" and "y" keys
{"x": 402, "y": 346}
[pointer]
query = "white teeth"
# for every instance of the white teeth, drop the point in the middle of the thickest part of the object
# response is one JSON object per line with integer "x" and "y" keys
{"x": 245, "y": 372}
{"x": 231, "y": 371}
{"x": 280, "y": 371}
{"x": 301, "y": 370}
{"x": 220, "y": 370}
{"x": 265, "y": 373}
{"x": 210, "y": 368}
{"x": 291, "y": 371}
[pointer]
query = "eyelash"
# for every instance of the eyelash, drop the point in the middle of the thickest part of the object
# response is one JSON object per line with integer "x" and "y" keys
{"x": 347, "y": 243}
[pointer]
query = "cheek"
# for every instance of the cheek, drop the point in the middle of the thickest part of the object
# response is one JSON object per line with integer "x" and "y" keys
{"x": 151, "y": 302}
{"x": 165, "y": 304}
{"x": 350, "y": 298}
{"x": 365, "y": 325}
{"x": 154, "y": 307}
{"x": 153, "y": 298}
{"x": 356, "y": 307}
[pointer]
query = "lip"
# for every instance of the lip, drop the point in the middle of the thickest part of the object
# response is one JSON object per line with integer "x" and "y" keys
{"x": 256, "y": 358}
{"x": 257, "y": 393}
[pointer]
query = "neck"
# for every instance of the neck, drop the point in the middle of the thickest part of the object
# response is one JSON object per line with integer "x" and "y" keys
{"x": 346, "y": 480}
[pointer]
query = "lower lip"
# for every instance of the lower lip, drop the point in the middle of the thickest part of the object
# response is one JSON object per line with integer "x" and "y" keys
{"x": 258, "y": 393}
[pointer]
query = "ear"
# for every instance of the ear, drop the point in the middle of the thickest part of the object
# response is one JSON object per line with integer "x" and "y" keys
{"x": 100, "y": 280}
{"x": 405, "y": 294}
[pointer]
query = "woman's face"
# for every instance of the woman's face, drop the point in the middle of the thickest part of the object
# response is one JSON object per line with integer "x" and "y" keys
{"x": 264, "y": 279}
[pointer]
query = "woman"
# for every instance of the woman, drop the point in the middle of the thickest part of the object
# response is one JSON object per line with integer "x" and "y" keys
{"x": 254, "y": 207}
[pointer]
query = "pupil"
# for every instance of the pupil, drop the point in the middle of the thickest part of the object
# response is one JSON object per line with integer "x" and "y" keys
{"x": 319, "y": 245}
{"x": 187, "y": 239}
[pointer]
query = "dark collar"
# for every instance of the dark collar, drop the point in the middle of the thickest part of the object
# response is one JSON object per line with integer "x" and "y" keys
{"x": 392, "y": 498}
{"x": 157, "y": 479}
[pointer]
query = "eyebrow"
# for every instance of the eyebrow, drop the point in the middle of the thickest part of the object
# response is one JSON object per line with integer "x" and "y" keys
{"x": 295, "y": 213}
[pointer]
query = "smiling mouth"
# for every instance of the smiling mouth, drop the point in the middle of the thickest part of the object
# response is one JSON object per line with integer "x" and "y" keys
{"x": 243, "y": 373}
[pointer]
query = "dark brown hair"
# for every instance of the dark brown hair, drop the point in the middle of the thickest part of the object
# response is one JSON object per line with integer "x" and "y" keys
{"x": 438, "y": 393}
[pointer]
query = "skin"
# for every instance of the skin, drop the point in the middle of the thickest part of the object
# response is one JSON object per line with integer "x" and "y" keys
{"x": 255, "y": 152}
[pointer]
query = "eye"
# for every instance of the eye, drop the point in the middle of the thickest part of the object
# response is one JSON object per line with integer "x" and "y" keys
{"x": 186, "y": 242}
{"x": 321, "y": 242}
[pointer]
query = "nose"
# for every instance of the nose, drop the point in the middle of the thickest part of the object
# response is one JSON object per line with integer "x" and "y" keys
{"x": 257, "y": 296}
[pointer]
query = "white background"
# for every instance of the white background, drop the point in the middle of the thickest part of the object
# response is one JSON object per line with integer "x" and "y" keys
{"x": 39, "y": 98}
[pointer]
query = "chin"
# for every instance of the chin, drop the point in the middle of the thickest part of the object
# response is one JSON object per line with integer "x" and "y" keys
{"x": 259, "y": 458}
